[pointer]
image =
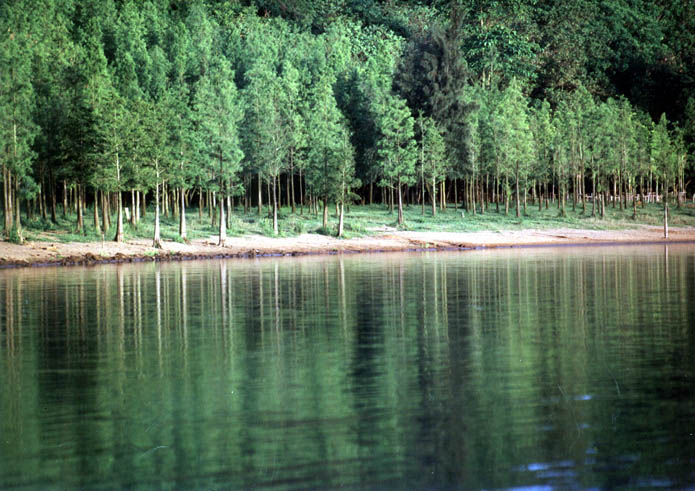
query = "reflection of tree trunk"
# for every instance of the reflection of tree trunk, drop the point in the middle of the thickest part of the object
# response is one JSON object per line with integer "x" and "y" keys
{"x": 158, "y": 298}
{"x": 343, "y": 302}
{"x": 276, "y": 292}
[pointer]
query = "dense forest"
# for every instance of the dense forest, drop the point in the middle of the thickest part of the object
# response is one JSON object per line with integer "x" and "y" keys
{"x": 310, "y": 105}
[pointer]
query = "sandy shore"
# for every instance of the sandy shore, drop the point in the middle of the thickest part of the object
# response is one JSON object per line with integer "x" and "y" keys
{"x": 57, "y": 253}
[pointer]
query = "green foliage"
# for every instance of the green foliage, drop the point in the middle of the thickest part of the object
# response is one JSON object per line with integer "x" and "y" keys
{"x": 318, "y": 99}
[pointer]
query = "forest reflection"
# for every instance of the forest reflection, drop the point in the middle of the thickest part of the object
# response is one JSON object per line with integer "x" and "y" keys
{"x": 429, "y": 369}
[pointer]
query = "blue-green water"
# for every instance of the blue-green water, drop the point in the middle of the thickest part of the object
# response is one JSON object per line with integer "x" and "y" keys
{"x": 570, "y": 368}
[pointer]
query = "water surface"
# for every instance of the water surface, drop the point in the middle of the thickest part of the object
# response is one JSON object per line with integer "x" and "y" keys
{"x": 567, "y": 367}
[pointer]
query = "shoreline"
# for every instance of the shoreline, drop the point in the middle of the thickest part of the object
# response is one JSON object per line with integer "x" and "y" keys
{"x": 45, "y": 254}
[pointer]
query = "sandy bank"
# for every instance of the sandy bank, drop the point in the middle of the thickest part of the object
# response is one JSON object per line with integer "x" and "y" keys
{"x": 57, "y": 253}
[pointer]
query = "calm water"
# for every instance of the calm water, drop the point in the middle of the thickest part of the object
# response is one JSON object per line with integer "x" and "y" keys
{"x": 569, "y": 368}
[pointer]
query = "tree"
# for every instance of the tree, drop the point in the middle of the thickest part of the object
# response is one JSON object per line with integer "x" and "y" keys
{"x": 396, "y": 147}
{"x": 664, "y": 158}
{"x": 217, "y": 114}
{"x": 330, "y": 160}
{"x": 515, "y": 140}
{"x": 17, "y": 127}
{"x": 431, "y": 157}
{"x": 116, "y": 135}
{"x": 266, "y": 143}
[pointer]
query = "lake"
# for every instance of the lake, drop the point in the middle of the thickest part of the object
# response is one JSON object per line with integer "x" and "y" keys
{"x": 564, "y": 367}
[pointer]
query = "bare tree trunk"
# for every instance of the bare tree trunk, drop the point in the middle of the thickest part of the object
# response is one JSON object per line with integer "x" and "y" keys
{"x": 260, "y": 195}
{"x": 17, "y": 209}
{"x": 275, "y": 205}
{"x": 200, "y": 204}
{"x": 518, "y": 211}
{"x": 292, "y": 203}
{"x": 665, "y": 209}
{"x": 97, "y": 228}
{"x": 80, "y": 218}
{"x": 301, "y": 193}
{"x": 400, "y": 203}
{"x": 222, "y": 223}
{"x": 65, "y": 199}
{"x": 136, "y": 212}
{"x": 182, "y": 220}
{"x": 7, "y": 198}
{"x": 157, "y": 239}
{"x": 325, "y": 213}
{"x": 119, "y": 220}
{"x": 104, "y": 212}
{"x": 133, "y": 220}
{"x": 53, "y": 199}
{"x": 340, "y": 220}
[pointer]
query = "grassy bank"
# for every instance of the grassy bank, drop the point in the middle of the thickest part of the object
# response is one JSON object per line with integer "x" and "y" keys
{"x": 364, "y": 220}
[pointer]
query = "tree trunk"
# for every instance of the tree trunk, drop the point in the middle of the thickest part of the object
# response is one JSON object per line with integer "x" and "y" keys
{"x": 7, "y": 198}
{"x": 260, "y": 196}
{"x": 80, "y": 218}
{"x": 223, "y": 223}
{"x": 340, "y": 220}
{"x": 301, "y": 194}
{"x": 97, "y": 228}
{"x": 104, "y": 212}
{"x": 157, "y": 239}
{"x": 433, "y": 196}
{"x": 17, "y": 210}
{"x": 200, "y": 204}
{"x": 665, "y": 209}
{"x": 136, "y": 212}
{"x": 132, "y": 208}
{"x": 230, "y": 207}
{"x": 400, "y": 203}
{"x": 292, "y": 203}
{"x": 275, "y": 204}
{"x": 65, "y": 199}
{"x": 119, "y": 220}
{"x": 182, "y": 219}
{"x": 518, "y": 211}
{"x": 456, "y": 197}
{"x": 325, "y": 213}
{"x": 53, "y": 200}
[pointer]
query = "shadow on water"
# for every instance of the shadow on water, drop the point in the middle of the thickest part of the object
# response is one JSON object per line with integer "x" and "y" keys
{"x": 486, "y": 369}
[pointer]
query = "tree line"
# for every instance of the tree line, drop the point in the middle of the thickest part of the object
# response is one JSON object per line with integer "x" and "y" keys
{"x": 108, "y": 105}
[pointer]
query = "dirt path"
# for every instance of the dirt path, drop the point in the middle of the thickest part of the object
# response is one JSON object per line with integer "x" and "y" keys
{"x": 57, "y": 253}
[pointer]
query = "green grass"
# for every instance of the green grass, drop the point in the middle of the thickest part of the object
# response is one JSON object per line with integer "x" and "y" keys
{"x": 365, "y": 220}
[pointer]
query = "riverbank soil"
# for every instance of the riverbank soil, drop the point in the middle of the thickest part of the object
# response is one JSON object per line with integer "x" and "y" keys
{"x": 33, "y": 253}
